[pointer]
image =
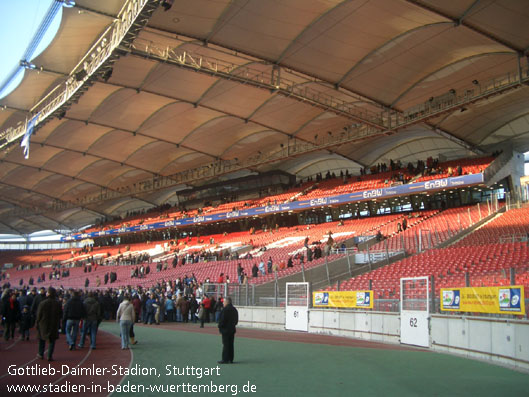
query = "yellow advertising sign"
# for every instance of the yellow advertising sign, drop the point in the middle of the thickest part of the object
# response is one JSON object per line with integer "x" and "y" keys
{"x": 499, "y": 300}
{"x": 354, "y": 299}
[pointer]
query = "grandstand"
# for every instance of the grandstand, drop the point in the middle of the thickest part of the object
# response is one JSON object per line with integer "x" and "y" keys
{"x": 347, "y": 145}
{"x": 485, "y": 257}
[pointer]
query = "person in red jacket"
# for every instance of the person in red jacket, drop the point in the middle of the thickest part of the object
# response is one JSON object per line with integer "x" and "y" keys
{"x": 206, "y": 306}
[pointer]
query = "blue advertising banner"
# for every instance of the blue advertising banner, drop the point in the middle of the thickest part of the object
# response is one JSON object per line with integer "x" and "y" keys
{"x": 412, "y": 188}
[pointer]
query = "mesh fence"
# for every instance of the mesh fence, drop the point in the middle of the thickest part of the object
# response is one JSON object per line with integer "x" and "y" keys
{"x": 298, "y": 294}
{"x": 414, "y": 294}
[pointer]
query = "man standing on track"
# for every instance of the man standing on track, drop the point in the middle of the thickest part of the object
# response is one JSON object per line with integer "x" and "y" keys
{"x": 229, "y": 317}
{"x": 49, "y": 314}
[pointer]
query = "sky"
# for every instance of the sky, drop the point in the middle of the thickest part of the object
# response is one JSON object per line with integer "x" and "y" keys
{"x": 20, "y": 22}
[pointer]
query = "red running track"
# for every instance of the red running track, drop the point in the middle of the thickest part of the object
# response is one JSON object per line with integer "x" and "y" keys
{"x": 22, "y": 356}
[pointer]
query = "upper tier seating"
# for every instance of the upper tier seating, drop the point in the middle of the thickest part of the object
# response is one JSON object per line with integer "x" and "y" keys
{"x": 480, "y": 254}
{"x": 308, "y": 190}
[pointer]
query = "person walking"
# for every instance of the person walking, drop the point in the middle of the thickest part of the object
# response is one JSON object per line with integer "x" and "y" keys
{"x": 92, "y": 320}
{"x": 229, "y": 317}
{"x": 126, "y": 317}
{"x": 48, "y": 320}
{"x": 74, "y": 311}
{"x": 35, "y": 304}
{"x": 10, "y": 313}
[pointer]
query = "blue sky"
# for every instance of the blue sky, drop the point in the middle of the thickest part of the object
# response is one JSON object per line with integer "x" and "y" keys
{"x": 20, "y": 21}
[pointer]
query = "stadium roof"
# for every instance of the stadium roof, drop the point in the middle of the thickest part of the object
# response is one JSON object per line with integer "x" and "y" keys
{"x": 214, "y": 88}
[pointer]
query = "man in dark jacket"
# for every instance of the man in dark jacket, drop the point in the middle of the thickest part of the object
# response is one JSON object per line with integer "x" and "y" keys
{"x": 74, "y": 311}
{"x": 36, "y": 302}
{"x": 229, "y": 317}
{"x": 91, "y": 321}
{"x": 48, "y": 319}
{"x": 193, "y": 307}
{"x": 11, "y": 313}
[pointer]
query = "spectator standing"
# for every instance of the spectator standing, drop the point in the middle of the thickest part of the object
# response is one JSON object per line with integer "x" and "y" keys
{"x": 25, "y": 323}
{"x": 179, "y": 303}
{"x": 193, "y": 307}
{"x": 48, "y": 319}
{"x": 150, "y": 309}
{"x": 262, "y": 268}
{"x": 126, "y": 317}
{"x": 229, "y": 318}
{"x": 170, "y": 308}
{"x": 206, "y": 306}
{"x": 218, "y": 308}
{"x": 11, "y": 313}
{"x": 36, "y": 302}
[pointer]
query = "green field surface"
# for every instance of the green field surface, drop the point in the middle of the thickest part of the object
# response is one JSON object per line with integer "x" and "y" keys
{"x": 280, "y": 368}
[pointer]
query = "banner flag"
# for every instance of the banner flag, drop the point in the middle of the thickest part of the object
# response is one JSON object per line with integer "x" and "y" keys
{"x": 30, "y": 126}
{"x": 350, "y": 299}
{"x": 499, "y": 300}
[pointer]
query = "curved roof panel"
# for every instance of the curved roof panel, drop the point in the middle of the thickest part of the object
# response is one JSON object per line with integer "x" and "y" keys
{"x": 236, "y": 82}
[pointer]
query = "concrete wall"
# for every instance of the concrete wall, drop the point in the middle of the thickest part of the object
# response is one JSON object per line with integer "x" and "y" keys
{"x": 262, "y": 317}
{"x": 501, "y": 341}
{"x": 374, "y": 326}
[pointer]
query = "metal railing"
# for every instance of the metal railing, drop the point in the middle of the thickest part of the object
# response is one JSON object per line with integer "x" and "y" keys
{"x": 264, "y": 75}
{"x": 513, "y": 238}
{"x": 93, "y": 59}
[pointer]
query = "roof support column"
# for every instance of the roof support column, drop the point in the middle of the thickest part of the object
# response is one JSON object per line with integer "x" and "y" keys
{"x": 276, "y": 76}
{"x": 520, "y": 68}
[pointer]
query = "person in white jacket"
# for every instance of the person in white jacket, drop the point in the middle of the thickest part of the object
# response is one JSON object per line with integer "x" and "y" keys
{"x": 126, "y": 317}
